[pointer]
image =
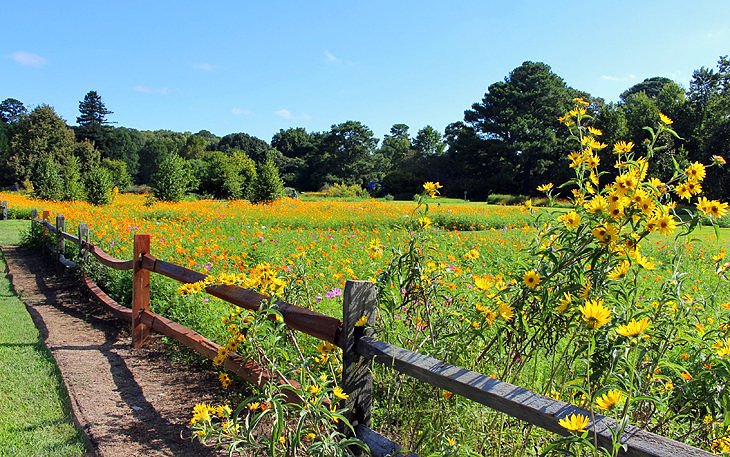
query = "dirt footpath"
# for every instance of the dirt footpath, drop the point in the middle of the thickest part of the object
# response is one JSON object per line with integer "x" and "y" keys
{"x": 128, "y": 402}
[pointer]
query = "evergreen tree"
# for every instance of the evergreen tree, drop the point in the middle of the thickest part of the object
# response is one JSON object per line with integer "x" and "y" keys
{"x": 93, "y": 111}
{"x": 519, "y": 117}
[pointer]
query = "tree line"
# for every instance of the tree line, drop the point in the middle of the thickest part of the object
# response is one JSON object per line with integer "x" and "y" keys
{"x": 510, "y": 141}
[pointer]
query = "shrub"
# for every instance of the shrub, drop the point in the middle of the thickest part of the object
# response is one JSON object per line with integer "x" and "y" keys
{"x": 73, "y": 183}
{"x": 120, "y": 175}
{"x": 99, "y": 186}
{"x": 505, "y": 199}
{"x": 228, "y": 176}
{"x": 344, "y": 191}
{"x": 172, "y": 179}
{"x": 48, "y": 183}
{"x": 268, "y": 185}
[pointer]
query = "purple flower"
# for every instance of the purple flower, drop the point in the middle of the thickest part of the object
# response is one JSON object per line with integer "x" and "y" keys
{"x": 318, "y": 298}
{"x": 336, "y": 292}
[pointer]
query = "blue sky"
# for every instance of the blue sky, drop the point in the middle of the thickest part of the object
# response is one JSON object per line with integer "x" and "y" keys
{"x": 257, "y": 67}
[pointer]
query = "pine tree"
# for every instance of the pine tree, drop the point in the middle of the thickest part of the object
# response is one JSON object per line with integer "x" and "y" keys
{"x": 93, "y": 111}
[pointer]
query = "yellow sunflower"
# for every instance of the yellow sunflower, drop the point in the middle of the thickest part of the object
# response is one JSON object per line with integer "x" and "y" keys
{"x": 595, "y": 314}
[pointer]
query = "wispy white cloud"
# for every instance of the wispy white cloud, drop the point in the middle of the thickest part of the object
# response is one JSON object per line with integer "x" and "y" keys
{"x": 151, "y": 90}
{"x": 28, "y": 59}
{"x": 284, "y": 114}
{"x": 289, "y": 115}
{"x": 627, "y": 77}
{"x": 333, "y": 59}
{"x": 205, "y": 66}
{"x": 330, "y": 57}
{"x": 241, "y": 112}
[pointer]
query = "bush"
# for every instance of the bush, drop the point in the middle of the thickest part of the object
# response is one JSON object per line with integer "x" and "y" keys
{"x": 99, "y": 186}
{"x": 227, "y": 176}
{"x": 48, "y": 183}
{"x": 172, "y": 179}
{"x": 118, "y": 171}
{"x": 506, "y": 199}
{"x": 344, "y": 191}
{"x": 268, "y": 185}
{"x": 73, "y": 183}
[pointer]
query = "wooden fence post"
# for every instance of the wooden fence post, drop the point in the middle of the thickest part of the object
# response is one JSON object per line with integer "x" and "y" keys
{"x": 83, "y": 233}
{"x": 4, "y": 205}
{"x": 60, "y": 240}
{"x": 357, "y": 382}
{"x": 140, "y": 291}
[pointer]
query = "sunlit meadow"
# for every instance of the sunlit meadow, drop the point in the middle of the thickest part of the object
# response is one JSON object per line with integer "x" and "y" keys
{"x": 318, "y": 245}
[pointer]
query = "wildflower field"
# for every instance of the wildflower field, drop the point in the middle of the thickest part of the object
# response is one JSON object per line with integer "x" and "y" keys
{"x": 615, "y": 304}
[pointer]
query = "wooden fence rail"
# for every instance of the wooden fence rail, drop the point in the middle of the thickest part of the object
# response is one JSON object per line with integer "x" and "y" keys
{"x": 360, "y": 350}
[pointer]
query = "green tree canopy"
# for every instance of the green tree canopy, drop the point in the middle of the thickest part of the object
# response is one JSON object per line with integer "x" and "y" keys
{"x": 40, "y": 133}
{"x": 268, "y": 186}
{"x": 299, "y": 150}
{"x": 650, "y": 86}
{"x": 396, "y": 145}
{"x": 429, "y": 142}
{"x": 11, "y": 110}
{"x": 521, "y": 114}
{"x": 228, "y": 176}
{"x": 709, "y": 111}
{"x": 172, "y": 179}
{"x": 348, "y": 155}
{"x": 256, "y": 148}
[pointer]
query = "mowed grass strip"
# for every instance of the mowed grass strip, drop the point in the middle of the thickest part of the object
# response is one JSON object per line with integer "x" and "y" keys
{"x": 35, "y": 416}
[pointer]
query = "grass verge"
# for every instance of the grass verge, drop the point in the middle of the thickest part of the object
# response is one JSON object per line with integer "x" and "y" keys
{"x": 35, "y": 415}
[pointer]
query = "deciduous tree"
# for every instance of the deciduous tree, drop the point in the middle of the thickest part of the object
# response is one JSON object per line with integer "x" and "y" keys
{"x": 40, "y": 133}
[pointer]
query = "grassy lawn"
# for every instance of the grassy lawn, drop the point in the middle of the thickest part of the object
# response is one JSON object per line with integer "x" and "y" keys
{"x": 35, "y": 417}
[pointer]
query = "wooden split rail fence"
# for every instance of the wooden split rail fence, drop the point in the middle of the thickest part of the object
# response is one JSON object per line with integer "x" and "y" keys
{"x": 360, "y": 349}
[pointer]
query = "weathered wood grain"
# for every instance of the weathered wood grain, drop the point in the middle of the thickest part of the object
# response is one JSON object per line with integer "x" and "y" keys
{"x": 521, "y": 403}
{"x": 140, "y": 291}
{"x": 359, "y": 299}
